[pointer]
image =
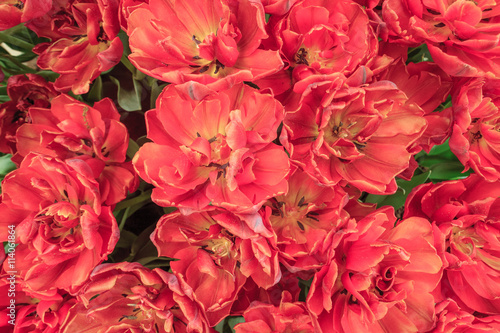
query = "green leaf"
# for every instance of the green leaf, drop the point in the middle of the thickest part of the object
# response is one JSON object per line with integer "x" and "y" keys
{"x": 133, "y": 148}
{"x": 122, "y": 250}
{"x": 49, "y": 75}
{"x": 12, "y": 40}
{"x": 129, "y": 95}
{"x": 142, "y": 140}
{"x": 443, "y": 151}
{"x": 419, "y": 54}
{"x": 154, "y": 262}
{"x": 227, "y": 325}
{"x": 397, "y": 200}
{"x": 155, "y": 92}
{"x": 95, "y": 93}
{"x": 6, "y": 165}
{"x": 126, "y": 240}
{"x": 143, "y": 247}
{"x": 22, "y": 57}
{"x": 124, "y": 60}
{"x": 11, "y": 65}
{"x": 376, "y": 199}
{"x": 168, "y": 210}
{"x": 124, "y": 38}
{"x": 446, "y": 104}
{"x": 304, "y": 285}
{"x": 24, "y": 34}
{"x": 3, "y": 94}
{"x": 77, "y": 97}
{"x": 448, "y": 171}
{"x": 443, "y": 163}
{"x": 233, "y": 321}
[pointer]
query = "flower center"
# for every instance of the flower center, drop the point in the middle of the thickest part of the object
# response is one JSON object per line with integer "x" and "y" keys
{"x": 219, "y": 248}
{"x": 220, "y": 152}
{"x": 466, "y": 240}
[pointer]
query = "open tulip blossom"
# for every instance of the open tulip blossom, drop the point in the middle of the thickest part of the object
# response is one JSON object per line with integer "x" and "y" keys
{"x": 249, "y": 166}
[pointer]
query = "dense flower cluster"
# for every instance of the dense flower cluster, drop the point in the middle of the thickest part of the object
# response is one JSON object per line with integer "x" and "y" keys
{"x": 273, "y": 128}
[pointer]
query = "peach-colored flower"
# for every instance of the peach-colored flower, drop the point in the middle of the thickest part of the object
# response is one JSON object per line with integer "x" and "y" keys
{"x": 476, "y": 126}
{"x": 126, "y": 297}
{"x": 24, "y": 92}
{"x": 305, "y": 219}
{"x": 31, "y": 312}
{"x": 84, "y": 42}
{"x": 361, "y": 134}
{"x": 213, "y": 148}
{"x": 62, "y": 229}
{"x": 213, "y": 42}
{"x": 452, "y": 319}
{"x": 217, "y": 252}
{"x": 380, "y": 279}
{"x": 465, "y": 215}
{"x": 71, "y": 128}
{"x": 14, "y": 12}
{"x": 290, "y": 317}
{"x": 426, "y": 85}
{"x": 462, "y": 35}
{"x": 320, "y": 37}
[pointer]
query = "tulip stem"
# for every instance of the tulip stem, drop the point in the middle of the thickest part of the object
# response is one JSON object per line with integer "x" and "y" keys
{"x": 124, "y": 218}
{"x": 144, "y": 196}
{"x": 128, "y": 64}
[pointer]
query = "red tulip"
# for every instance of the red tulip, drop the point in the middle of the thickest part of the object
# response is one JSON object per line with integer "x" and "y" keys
{"x": 462, "y": 36}
{"x": 24, "y": 91}
{"x": 476, "y": 137}
{"x": 304, "y": 220}
{"x": 358, "y": 134}
{"x": 126, "y": 297}
{"x": 73, "y": 129}
{"x": 213, "y": 42}
{"x": 465, "y": 215}
{"x": 381, "y": 278}
{"x": 213, "y": 148}
{"x": 320, "y": 37}
{"x": 62, "y": 229}
{"x": 288, "y": 316}
{"x": 217, "y": 252}
{"x": 14, "y": 12}
{"x": 426, "y": 85}
{"x": 84, "y": 42}
{"x": 31, "y": 312}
